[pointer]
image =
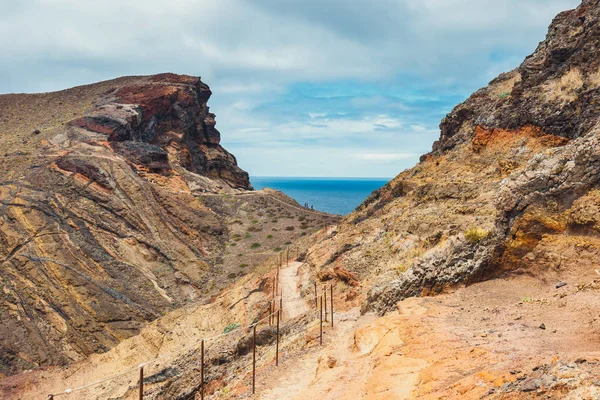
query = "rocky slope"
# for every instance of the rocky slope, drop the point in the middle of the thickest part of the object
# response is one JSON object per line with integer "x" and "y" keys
{"x": 118, "y": 204}
{"x": 511, "y": 183}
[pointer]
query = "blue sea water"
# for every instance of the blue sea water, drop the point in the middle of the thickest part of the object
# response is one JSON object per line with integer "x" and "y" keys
{"x": 332, "y": 195}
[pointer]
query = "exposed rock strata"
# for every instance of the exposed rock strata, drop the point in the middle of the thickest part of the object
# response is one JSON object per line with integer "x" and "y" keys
{"x": 512, "y": 179}
{"x": 122, "y": 207}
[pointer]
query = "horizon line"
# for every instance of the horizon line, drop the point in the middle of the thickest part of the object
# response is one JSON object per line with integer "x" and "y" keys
{"x": 323, "y": 177}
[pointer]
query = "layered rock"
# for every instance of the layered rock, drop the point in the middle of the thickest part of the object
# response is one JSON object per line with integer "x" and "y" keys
{"x": 117, "y": 205}
{"x": 166, "y": 112}
{"x": 510, "y": 184}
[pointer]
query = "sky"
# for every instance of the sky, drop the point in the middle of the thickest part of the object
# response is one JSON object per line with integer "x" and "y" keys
{"x": 321, "y": 88}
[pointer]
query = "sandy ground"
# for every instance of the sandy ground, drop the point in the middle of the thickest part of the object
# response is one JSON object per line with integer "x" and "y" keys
{"x": 509, "y": 338}
{"x": 290, "y": 279}
{"x": 517, "y": 337}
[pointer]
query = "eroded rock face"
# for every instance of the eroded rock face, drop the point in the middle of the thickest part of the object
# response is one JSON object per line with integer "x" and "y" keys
{"x": 555, "y": 89}
{"x": 122, "y": 207}
{"x": 511, "y": 183}
{"x": 169, "y": 112}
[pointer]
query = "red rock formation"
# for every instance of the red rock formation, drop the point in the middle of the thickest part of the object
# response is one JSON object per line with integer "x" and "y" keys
{"x": 160, "y": 115}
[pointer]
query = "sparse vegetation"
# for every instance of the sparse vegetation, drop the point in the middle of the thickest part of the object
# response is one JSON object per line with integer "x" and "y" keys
{"x": 255, "y": 245}
{"x": 566, "y": 87}
{"x": 231, "y": 327}
{"x": 269, "y": 236}
{"x": 289, "y": 228}
{"x": 243, "y": 265}
{"x": 475, "y": 235}
{"x": 277, "y": 249}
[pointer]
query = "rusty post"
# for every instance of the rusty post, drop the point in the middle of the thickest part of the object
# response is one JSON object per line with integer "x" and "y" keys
{"x": 316, "y": 295}
{"x": 50, "y": 397}
{"x": 271, "y": 307}
{"x": 277, "y": 343}
{"x": 202, "y": 371}
{"x": 331, "y": 301}
{"x": 254, "y": 360}
{"x": 281, "y": 302}
{"x": 141, "y": 383}
{"x": 321, "y": 324}
{"x": 325, "y": 301}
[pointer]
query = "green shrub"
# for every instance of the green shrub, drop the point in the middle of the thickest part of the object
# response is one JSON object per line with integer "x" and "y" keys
{"x": 255, "y": 245}
{"x": 231, "y": 327}
{"x": 475, "y": 235}
{"x": 277, "y": 249}
{"x": 233, "y": 244}
{"x": 289, "y": 228}
{"x": 269, "y": 236}
{"x": 243, "y": 265}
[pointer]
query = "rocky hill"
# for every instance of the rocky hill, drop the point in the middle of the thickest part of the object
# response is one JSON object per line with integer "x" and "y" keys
{"x": 118, "y": 204}
{"x": 511, "y": 185}
{"x": 500, "y": 221}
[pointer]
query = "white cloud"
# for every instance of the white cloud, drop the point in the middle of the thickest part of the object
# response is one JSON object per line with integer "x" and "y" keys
{"x": 252, "y": 53}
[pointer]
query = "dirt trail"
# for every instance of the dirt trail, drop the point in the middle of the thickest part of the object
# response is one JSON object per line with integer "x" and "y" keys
{"x": 516, "y": 338}
{"x": 290, "y": 279}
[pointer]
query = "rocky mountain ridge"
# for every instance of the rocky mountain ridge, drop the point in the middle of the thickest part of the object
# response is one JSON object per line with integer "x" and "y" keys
{"x": 117, "y": 205}
{"x": 510, "y": 183}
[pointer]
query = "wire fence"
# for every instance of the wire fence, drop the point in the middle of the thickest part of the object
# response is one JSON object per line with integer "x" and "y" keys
{"x": 308, "y": 313}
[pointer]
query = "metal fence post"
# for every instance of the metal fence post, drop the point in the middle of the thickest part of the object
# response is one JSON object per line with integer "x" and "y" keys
{"x": 316, "y": 295}
{"x": 325, "y": 301}
{"x": 321, "y": 324}
{"x": 254, "y": 360}
{"x": 141, "y": 383}
{"x": 277, "y": 342}
{"x": 202, "y": 372}
{"x": 281, "y": 303}
{"x": 331, "y": 301}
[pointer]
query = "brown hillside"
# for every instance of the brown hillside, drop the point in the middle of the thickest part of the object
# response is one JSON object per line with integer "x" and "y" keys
{"x": 118, "y": 204}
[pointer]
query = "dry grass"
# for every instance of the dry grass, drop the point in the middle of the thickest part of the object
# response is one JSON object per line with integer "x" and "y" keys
{"x": 565, "y": 88}
{"x": 593, "y": 80}
{"x": 476, "y": 235}
{"x": 504, "y": 88}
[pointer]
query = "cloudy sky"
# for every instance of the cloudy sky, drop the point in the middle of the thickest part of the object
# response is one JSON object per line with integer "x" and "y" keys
{"x": 301, "y": 87}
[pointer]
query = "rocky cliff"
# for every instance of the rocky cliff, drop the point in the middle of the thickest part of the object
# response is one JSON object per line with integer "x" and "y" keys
{"x": 118, "y": 204}
{"x": 510, "y": 187}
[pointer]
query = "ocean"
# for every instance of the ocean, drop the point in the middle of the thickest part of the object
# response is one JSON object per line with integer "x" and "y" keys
{"x": 332, "y": 195}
